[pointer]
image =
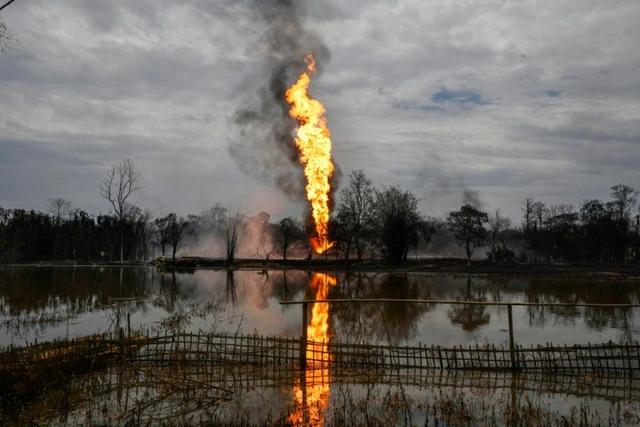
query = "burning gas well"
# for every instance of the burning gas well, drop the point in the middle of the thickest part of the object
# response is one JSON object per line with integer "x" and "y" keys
{"x": 313, "y": 140}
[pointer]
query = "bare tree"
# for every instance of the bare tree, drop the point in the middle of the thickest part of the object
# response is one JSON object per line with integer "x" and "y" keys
{"x": 118, "y": 186}
{"x": 497, "y": 224}
{"x": 540, "y": 213}
{"x": 265, "y": 230}
{"x": 5, "y": 35}
{"x": 624, "y": 200}
{"x": 59, "y": 208}
{"x": 145, "y": 231}
{"x": 6, "y": 3}
{"x": 527, "y": 213}
{"x": 233, "y": 233}
{"x": 355, "y": 211}
{"x": 6, "y": 38}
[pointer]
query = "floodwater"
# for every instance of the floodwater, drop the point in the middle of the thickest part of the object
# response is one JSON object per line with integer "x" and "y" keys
{"x": 47, "y": 303}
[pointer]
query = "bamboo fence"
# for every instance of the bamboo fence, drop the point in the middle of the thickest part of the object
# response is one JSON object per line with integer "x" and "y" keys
{"x": 295, "y": 353}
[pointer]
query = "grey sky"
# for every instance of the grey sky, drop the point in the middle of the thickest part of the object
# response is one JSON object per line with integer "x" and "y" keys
{"x": 509, "y": 98}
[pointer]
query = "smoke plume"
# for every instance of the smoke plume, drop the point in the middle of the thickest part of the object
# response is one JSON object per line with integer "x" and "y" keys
{"x": 472, "y": 197}
{"x": 262, "y": 143}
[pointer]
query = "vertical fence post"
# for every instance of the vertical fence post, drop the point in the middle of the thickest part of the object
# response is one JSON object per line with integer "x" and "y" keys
{"x": 303, "y": 337}
{"x": 511, "y": 343}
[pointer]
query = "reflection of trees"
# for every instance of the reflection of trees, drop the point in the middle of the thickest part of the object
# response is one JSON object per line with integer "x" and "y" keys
{"x": 168, "y": 295}
{"x": 582, "y": 291}
{"x": 470, "y": 317}
{"x": 35, "y": 299}
{"x": 498, "y": 285}
{"x": 230, "y": 290}
{"x": 76, "y": 290}
{"x": 380, "y": 321}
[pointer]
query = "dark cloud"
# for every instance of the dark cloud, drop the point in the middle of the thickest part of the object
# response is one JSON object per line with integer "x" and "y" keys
{"x": 436, "y": 96}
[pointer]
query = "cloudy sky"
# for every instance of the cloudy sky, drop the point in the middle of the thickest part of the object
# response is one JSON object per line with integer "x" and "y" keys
{"x": 512, "y": 99}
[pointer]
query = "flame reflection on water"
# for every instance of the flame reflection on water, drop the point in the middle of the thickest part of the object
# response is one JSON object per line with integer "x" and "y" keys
{"x": 313, "y": 389}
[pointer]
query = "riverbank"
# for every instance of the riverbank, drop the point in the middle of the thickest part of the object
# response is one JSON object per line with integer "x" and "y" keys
{"x": 436, "y": 265}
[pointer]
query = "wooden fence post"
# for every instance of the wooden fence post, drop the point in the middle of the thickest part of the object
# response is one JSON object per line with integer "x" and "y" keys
{"x": 511, "y": 343}
{"x": 303, "y": 337}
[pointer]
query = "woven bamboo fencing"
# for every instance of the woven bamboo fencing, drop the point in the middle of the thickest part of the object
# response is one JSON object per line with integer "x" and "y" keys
{"x": 292, "y": 353}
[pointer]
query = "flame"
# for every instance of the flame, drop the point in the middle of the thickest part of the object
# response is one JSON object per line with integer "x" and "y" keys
{"x": 312, "y": 398}
{"x": 318, "y": 328}
{"x": 313, "y": 140}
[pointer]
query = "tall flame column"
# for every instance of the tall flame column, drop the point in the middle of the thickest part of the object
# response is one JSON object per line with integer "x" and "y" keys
{"x": 313, "y": 141}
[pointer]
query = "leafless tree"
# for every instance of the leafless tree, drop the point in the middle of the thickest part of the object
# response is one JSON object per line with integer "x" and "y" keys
{"x": 527, "y": 213}
{"x": 625, "y": 199}
{"x": 118, "y": 186}
{"x": 355, "y": 210}
{"x": 6, "y": 38}
{"x": 233, "y": 233}
{"x": 146, "y": 231}
{"x": 59, "y": 208}
{"x": 497, "y": 223}
{"x": 6, "y": 3}
{"x": 264, "y": 229}
{"x": 540, "y": 213}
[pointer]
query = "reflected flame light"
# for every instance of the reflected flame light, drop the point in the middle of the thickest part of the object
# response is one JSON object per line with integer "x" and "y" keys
{"x": 312, "y": 397}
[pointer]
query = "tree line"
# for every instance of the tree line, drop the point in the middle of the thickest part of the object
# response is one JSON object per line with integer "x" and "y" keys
{"x": 367, "y": 223}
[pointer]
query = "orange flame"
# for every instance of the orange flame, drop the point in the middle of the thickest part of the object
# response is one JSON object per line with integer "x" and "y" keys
{"x": 312, "y": 398}
{"x": 318, "y": 328}
{"x": 313, "y": 140}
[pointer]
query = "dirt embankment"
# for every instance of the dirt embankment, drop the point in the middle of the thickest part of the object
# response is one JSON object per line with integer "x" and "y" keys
{"x": 418, "y": 265}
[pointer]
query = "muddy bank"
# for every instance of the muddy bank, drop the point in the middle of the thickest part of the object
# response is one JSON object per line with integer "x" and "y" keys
{"x": 419, "y": 265}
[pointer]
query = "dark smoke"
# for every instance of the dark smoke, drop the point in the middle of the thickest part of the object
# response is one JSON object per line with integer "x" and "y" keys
{"x": 471, "y": 197}
{"x": 262, "y": 142}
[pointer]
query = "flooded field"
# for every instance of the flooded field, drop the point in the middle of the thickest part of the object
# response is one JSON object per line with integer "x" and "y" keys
{"x": 48, "y": 303}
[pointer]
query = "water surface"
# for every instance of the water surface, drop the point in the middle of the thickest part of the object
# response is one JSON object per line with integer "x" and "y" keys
{"x": 44, "y": 303}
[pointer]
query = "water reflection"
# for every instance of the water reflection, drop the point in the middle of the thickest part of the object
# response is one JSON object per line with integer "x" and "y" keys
{"x": 470, "y": 317}
{"x": 47, "y": 303}
{"x": 312, "y": 391}
{"x": 392, "y": 322}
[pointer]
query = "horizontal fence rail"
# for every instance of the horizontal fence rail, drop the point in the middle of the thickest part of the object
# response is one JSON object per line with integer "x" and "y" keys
{"x": 457, "y": 302}
{"x": 296, "y": 353}
{"x": 519, "y": 358}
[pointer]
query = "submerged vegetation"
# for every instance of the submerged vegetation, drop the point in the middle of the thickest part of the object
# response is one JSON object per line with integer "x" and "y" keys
{"x": 194, "y": 394}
